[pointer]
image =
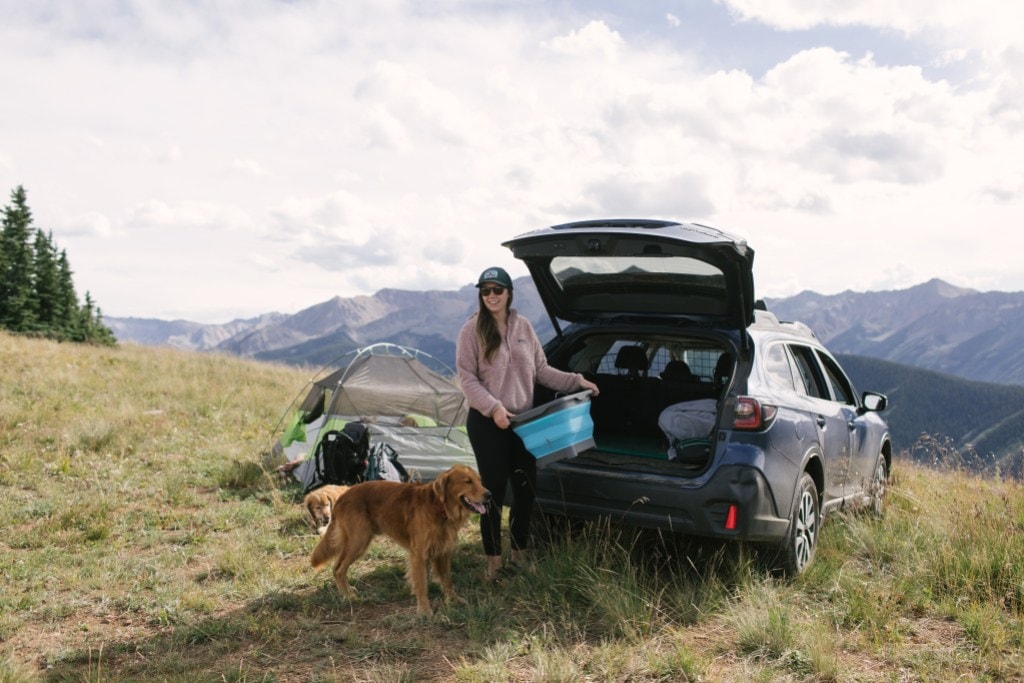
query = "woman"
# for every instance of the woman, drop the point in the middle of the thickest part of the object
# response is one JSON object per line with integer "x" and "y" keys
{"x": 499, "y": 359}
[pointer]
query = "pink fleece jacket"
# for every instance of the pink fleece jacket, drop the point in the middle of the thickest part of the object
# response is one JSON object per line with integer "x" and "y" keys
{"x": 508, "y": 378}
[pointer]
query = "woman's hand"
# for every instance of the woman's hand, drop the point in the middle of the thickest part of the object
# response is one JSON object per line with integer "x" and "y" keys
{"x": 501, "y": 417}
{"x": 587, "y": 384}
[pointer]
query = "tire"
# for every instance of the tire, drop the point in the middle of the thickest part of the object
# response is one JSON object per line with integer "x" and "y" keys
{"x": 796, "y": 553}
{"x": 878, "y": 487}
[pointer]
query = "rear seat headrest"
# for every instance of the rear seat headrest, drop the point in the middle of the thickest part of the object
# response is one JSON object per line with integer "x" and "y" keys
{"x": 678, "y": 371}
{"x": 631, "y": 358}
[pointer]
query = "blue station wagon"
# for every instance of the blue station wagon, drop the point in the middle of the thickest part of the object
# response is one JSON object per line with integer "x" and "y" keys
{"x": 714, "y": 418}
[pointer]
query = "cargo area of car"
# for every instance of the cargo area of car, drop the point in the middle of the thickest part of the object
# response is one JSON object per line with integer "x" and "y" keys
{"x": 624, "y": 444}
{"x": 638, "y": 379}
{"x": 644, "y": 455}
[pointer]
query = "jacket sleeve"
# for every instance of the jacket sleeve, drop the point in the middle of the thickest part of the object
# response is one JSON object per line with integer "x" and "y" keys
{"x": 467, "y": 359}
{"x": 550, "y": 377}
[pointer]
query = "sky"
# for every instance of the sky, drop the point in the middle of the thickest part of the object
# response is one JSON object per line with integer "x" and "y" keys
{"x": 209, "y": 160}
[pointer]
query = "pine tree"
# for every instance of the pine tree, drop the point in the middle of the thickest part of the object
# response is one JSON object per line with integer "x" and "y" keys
{"x": 37, "y": 294}
{"x": 91, "y": 327}
{"x": 47, "y": 286}
{"x": 17, "y": 300}
{"x": 100, "y": 333}
{"x": 66, "y": 303}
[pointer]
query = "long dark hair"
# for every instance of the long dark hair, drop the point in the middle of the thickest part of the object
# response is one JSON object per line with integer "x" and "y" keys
{"x": 487, "y": 333}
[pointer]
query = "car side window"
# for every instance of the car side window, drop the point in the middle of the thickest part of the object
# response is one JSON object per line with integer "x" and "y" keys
{"x": 841, "y": 389}
{"x": 809, "y": 371}
{"x": 778, "y": 368}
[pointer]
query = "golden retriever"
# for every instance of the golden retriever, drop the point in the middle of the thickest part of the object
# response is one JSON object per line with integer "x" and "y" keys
{"x": 318, "y": 504}
{"x": 422, "y": 518}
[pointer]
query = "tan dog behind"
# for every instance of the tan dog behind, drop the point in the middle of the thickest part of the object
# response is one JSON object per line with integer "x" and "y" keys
{"x": 422, "y": 518}
{"x": 318, "y": 504}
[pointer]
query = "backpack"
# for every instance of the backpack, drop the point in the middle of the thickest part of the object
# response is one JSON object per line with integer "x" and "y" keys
{"x": 341, "y": 456}
{"x": 384, "y": 464}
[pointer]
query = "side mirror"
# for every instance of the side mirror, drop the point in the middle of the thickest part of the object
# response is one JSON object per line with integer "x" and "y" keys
{"x": 874, "y": 401}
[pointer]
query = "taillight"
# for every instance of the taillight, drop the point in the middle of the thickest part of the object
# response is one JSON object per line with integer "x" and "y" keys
{"x": 752, "y": 414}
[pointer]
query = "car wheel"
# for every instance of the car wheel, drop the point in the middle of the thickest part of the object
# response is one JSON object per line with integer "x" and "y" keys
{"x": 797, "y": 551}
{"x": 879, "y": 485}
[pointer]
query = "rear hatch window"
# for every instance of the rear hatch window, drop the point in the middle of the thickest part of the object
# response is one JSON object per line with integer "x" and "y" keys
{"x": 640, "y": 285}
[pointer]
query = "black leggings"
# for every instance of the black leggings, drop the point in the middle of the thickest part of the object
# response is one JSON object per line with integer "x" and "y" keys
{"x": 501, "y": 459}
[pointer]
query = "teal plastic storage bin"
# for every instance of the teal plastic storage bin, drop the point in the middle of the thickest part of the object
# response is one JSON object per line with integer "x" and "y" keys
{"x": 557, "y": 430}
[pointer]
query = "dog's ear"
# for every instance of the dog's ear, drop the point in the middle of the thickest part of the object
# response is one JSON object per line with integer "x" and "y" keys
{"x": 440, "y": 486}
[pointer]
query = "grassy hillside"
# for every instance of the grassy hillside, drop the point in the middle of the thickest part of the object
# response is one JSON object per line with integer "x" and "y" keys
{"x": 142, "y": 541}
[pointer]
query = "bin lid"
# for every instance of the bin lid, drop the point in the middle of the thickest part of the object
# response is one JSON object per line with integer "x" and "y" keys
{"x": 559, "y": 403}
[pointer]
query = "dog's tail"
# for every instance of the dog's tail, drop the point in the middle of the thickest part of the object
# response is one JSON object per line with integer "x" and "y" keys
{"x": 328, "y": 547}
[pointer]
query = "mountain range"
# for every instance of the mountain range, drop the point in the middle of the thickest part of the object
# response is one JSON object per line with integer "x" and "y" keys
{"x": 951, "y": 359}
{"x": 937, "y": 326}
{"x": 962, "y": 332}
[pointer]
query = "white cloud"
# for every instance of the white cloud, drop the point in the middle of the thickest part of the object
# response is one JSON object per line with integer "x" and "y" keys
{"x": 90, "y": 224}
{"x": 986, "y": 28}
{"x": 280, "y": 154}
{"x": 594, "y": 39}
{"x": 383, "y": 129}
{"x": 974, "y": 24}
{"x": 155, "y": 215}
{"x": 249, "y": 167}
{"x": 414, "y": 102}
{"x": 683, "y": 194}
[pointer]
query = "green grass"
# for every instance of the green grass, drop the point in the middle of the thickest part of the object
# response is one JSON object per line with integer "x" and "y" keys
{"x": 143, "y": 540}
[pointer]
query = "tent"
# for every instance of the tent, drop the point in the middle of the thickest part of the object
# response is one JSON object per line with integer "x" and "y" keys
{"x": 410, "y": 400}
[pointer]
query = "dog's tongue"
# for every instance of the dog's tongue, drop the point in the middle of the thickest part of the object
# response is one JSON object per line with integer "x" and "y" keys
{"x": 475, "y": 507}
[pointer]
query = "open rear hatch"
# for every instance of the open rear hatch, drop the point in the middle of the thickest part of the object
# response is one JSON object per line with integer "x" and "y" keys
{"x": 644, "y": 269}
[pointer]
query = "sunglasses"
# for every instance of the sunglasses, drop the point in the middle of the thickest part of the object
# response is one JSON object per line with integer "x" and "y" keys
{"x": 487, "y": 291}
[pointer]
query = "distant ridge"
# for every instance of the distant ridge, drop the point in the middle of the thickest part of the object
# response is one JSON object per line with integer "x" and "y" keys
{"x": 935, "y": 325}
{"x": 983, "y": 422}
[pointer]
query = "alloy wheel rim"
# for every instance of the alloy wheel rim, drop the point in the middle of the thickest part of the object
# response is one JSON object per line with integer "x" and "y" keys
{"x": 878, "y": 487}
{"x": 806, "y": 528}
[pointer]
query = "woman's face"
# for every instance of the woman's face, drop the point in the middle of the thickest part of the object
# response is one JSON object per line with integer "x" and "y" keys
{"x": 494, "y": 302}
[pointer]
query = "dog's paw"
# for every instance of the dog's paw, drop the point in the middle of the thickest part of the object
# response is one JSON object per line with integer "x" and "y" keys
{"x": 346, "y": 590}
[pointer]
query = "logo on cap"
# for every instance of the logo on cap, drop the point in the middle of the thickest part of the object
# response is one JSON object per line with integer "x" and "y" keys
{"x": 490, "y": 274}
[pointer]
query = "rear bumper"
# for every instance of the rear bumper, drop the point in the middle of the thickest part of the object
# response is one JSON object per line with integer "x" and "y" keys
{"x": 666, "y": 502}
